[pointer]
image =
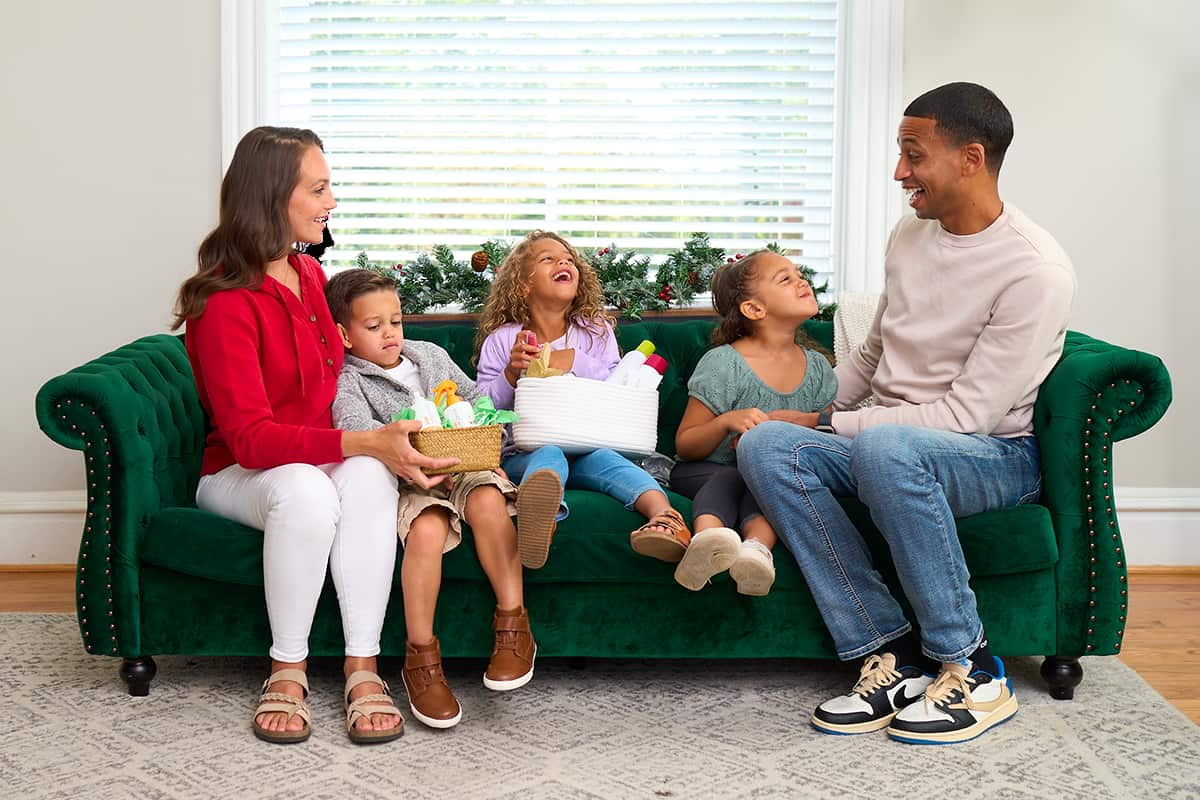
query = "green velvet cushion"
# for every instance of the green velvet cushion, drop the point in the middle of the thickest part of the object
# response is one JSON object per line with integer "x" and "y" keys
{"x": 592, "y": 546}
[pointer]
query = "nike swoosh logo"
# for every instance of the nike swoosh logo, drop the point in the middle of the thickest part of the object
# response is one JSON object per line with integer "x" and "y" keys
{"x": 902, "y": 699}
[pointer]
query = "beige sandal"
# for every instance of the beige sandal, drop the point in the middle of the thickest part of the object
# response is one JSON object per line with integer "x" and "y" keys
{"x": 367, "y": 705}
{"x": 666, "y": 545}
{"x": 270, "y": 702}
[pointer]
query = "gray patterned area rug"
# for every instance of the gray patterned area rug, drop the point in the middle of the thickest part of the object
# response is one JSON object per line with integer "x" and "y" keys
{"x": 613, "y": 729}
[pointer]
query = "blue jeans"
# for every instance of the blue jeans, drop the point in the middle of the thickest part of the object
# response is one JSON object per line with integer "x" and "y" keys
{"x": 914, "y": 481}
{"x": 603, "y": 470}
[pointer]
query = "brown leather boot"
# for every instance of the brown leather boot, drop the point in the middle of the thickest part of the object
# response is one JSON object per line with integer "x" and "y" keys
{"x": 429, "y": 696}
{"x": 511, "y": 665}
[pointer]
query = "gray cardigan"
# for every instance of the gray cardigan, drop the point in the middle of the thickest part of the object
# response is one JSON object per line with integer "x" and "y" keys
{"x": 367, "y": 396}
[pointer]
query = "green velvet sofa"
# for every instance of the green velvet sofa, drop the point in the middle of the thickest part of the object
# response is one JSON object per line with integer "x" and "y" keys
{"x": 157, "y": 576}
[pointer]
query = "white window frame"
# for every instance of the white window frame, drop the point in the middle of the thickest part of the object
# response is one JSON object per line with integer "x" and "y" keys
{"x": 866, "y": 204}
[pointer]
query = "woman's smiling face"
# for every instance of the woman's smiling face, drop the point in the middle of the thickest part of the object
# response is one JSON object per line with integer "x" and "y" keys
{"x": 312, "y": 199}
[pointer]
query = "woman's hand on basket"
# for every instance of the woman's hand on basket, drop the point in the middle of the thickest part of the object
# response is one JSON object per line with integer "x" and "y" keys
{"x": 391, "y": 445}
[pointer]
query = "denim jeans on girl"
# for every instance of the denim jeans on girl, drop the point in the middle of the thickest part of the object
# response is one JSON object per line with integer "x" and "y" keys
{"x": 603, "y": 470}
{"x": 915, "y": 481}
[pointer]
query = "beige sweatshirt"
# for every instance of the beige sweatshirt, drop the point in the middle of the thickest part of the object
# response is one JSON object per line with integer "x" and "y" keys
{"x": 967, "y": 329}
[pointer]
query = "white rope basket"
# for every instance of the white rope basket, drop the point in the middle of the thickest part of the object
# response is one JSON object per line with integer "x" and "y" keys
{"x": 580, "y": 415}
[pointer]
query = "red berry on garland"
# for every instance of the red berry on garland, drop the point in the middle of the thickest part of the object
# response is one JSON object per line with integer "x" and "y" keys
{"x": 399, "y": 268}
{"x": 664, "y": 294}
{"x": 738, "y": 256}
{"x": 729, "y": 261}
{"x": 479, "y": 261}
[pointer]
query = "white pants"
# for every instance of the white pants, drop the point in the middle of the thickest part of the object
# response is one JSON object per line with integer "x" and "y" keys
{"x": 343, "y": 515}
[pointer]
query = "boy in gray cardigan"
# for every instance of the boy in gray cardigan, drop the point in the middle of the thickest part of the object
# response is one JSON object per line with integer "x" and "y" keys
{"x": 381, "y": 375}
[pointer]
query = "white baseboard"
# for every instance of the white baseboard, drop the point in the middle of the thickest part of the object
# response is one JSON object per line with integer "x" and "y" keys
{"x": 1161, "y": 527}
{"x": 41, "y": 527}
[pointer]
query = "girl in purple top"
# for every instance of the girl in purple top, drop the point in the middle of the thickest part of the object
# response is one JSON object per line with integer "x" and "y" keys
{"x": 546, "y": 293}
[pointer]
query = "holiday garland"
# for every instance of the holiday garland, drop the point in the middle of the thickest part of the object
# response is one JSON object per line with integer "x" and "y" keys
{"x": 437, "y": 278}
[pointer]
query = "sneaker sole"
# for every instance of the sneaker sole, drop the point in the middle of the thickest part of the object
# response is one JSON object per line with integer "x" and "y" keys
{"x": 752, "y": 578}
{"x": 706, "y": 556}
{"x": 432, "y": 722}
{"x": 1002, "y": 714}
{"x": 515, "y": 683}
{"x": 538, "y": 501}
{"x": 852, "y": 729}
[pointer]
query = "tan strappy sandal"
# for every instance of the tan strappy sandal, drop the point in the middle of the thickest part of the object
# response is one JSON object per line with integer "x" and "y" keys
{"x": 367, "y": 705}
{"x": 270, "y": 702}
{"x": 666, "y": 545}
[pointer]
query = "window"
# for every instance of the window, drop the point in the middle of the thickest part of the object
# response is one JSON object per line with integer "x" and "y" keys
{"x": 610, "y": 122}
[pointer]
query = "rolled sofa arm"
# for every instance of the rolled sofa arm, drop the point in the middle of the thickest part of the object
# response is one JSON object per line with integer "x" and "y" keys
{"x": 1096, "y": 395}
{"x": 136, "y": 416}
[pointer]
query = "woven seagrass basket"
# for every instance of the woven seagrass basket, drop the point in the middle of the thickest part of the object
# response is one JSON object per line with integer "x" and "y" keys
{"x": 478, "y": 447}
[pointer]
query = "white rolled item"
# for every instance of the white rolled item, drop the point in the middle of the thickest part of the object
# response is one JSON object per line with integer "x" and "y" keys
{"x": 580, "y": 415}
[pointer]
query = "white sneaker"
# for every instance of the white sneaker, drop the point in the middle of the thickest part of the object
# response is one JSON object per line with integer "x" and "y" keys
{"x": 961, "y": 704}
{"x": 753, "y": 570}
{"x": 711, "y": 550}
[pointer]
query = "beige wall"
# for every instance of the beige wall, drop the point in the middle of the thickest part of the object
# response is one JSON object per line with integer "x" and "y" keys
{"x": 1105, "y": 98}
{"x": 112, "y": 159}
{"x": 111, "y": 155}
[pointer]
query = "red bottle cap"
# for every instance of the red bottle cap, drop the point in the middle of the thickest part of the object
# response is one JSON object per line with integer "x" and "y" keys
{"x": 657, "y": 363}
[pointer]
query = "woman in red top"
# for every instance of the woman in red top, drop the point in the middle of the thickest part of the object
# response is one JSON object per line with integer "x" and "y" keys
{"x": 266, "y": 354}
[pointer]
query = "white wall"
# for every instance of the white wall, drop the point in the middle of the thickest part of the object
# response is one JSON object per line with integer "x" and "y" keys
{"x": 112, "y": 162}
{"x": 1105, "y": 98}
{"x": 111, "y": 153}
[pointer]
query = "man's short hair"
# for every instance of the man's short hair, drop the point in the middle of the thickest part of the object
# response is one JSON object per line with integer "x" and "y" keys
{"x": 966, "y": 113}
{"x": 347, "y": 286}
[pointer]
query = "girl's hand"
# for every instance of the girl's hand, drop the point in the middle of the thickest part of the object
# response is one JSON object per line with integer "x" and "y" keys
{"x": 743, "y": 419}
{"x": 523, "y": 351}
{"x": 394, "y": 448}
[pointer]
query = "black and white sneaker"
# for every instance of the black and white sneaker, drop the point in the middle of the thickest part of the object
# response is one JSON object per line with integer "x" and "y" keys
{"x": 882, "y": 690}
{"x": 961, "y": 704}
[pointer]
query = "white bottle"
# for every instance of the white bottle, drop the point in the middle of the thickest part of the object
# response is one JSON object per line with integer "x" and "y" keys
{"x": 624, "y": 371}
{"x": 425, "y": 412}
{"x": 649, "y": 374}
{"x": 460, "y": 414}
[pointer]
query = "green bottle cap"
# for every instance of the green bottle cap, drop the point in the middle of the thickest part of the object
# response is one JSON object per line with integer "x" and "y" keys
{"x": 646, "y": 347}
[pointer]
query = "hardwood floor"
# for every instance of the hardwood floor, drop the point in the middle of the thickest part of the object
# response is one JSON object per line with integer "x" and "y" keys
{"x": 1162, "y": 640}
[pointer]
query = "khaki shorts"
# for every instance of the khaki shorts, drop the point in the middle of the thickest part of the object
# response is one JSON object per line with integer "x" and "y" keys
{"x": 413, "y": 501}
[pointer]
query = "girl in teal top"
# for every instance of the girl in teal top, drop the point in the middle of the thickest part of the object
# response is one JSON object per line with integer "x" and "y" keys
{"x": 757, "y": 372}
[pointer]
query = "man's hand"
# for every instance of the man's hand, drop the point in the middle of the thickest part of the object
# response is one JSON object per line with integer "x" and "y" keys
{"x": 808, "y": 419}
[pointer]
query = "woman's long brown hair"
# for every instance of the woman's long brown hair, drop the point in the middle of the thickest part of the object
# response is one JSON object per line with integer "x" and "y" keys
{"x": 507, "y": 301}
{"x": 253, "y": 228}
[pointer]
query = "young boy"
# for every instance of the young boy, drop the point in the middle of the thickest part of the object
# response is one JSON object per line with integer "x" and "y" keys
{"x": 382, "y": 374}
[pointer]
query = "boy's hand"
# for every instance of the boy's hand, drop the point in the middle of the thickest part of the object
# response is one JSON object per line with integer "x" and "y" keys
{"x": 524, "y": 350}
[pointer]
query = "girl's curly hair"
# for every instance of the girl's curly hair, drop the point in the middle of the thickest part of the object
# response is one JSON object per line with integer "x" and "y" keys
{"x": 506, "y": 301}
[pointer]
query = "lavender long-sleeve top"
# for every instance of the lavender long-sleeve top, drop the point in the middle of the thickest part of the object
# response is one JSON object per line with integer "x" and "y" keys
{"x": 596, "y": 355}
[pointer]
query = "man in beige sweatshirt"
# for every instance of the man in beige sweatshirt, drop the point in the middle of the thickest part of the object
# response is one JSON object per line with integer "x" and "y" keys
{"x": 972, "y": 318}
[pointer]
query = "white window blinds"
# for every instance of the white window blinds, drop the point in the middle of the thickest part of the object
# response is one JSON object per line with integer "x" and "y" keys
{"x": 609, "y": 122}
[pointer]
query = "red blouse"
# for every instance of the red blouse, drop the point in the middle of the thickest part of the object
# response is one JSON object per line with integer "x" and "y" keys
{"x": 266, "y": 365}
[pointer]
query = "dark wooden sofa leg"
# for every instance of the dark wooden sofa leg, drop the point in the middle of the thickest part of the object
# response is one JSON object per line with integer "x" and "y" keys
{"x": 137, "y": 673}
{"x": 1063, "y": 675}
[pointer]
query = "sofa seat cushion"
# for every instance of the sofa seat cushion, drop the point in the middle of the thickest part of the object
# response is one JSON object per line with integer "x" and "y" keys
{"x": 592, "y": 546}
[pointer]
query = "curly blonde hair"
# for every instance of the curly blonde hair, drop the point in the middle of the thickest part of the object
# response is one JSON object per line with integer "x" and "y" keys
{"x": 506, "y": 302}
